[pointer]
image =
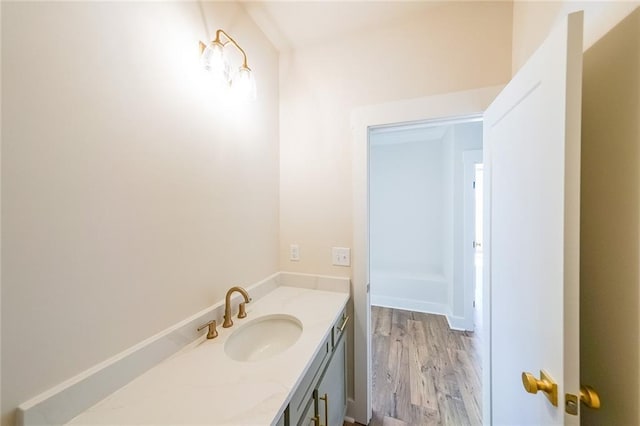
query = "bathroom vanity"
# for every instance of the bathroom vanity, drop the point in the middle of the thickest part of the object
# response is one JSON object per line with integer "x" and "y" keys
{"x": 237, "y": 379}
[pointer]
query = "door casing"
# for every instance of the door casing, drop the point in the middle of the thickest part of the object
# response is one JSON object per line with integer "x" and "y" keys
{"x": 458, "y": 104}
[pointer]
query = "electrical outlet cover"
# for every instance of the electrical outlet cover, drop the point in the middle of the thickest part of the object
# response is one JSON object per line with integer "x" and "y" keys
{"x": 294, "y": 252}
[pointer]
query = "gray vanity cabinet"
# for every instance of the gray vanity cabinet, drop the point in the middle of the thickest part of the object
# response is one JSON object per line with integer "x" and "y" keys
{"x": 309, "y": 418}
{"x": 282, "y": 421}
{"x": 321, "y": 397}
{"x": 332, "y": 389}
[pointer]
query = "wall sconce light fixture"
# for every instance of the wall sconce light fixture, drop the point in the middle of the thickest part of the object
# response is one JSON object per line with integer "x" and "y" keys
{"x": 214, "y": 59}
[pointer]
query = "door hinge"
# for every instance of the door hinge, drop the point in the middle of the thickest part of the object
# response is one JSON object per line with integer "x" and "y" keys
{"x": 474, "y": 303}
{"x": 474, "y": 184}
{"x": 368, "y": 287}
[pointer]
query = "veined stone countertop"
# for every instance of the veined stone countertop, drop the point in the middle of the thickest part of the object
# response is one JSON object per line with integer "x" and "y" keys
{"x": 202, "y": 385}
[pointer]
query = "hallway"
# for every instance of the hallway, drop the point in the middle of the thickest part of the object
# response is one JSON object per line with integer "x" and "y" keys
{"x": 423, "y": 372}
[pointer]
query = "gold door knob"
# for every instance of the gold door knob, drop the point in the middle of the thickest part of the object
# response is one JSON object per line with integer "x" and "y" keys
{"x": 533, "y": 385}
{"x": 589, "y": 397}
{"x": 545, "y": 384}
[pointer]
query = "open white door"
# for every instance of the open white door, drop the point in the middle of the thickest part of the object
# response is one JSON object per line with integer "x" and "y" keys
{"x": 532, "y": 182}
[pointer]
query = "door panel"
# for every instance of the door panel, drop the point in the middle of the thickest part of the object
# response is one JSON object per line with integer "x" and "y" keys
{"x": 532, "y": 171}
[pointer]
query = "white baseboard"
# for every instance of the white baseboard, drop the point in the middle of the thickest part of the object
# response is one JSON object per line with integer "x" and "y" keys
{"x": 409, "y": 305}
{"x": 350, "y": 408}
{"x": 458, "y": 323}
{"x": 455, "y": 322}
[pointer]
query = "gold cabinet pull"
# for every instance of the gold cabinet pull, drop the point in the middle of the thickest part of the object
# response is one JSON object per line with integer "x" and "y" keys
{"x": 589, "y": 397}
{"x": 325, "y": 398}
{"x": 345, "y": 320}
{"x": 545, "y": 384}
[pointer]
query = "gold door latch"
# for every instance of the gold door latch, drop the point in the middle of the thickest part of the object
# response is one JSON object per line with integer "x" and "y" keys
{"x": 545, "y": 384}
{"x": 588, "y": 396}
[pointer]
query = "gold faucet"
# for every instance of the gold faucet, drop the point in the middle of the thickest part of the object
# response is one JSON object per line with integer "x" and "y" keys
{"x": 227, "y": 305}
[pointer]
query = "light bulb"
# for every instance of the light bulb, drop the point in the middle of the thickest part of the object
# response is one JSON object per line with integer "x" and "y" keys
{"x": 215, "y": 61}
{"x": 244, "y": 84}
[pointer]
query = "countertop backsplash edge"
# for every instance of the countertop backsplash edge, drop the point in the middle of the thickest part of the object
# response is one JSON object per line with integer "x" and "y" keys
{"x": 63, "y": 402}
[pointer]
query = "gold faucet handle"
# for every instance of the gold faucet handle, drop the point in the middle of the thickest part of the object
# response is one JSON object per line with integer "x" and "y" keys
{"x": 212, "y": 333}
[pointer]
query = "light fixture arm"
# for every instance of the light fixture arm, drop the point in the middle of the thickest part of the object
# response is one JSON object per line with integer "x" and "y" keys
{"x": 230, "y": 39}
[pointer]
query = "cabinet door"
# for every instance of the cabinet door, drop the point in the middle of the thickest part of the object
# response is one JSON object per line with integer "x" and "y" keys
{"x": 308, "y": 417}
{"x": 332, "y": 392}
{"x": 302, "y": 395}
{"x": 282, "y": 420}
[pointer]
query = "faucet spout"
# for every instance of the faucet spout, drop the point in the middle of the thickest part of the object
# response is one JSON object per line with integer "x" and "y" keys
{"x": 227, "y": 305}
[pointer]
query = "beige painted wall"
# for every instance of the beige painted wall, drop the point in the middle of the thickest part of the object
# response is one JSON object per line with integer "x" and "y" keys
{"x": 610, "y": 225}
{"x": 532, "y": 21}
{"x": 131, "y": 196}
{"x": 457, "y": 46}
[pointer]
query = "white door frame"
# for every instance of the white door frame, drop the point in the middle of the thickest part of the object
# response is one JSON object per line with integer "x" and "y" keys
{"x": 470, "y": 159}
{"x": 457, "y": 104}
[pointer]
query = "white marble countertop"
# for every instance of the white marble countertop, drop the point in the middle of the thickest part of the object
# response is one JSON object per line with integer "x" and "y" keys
{"x": 202, "y": 385}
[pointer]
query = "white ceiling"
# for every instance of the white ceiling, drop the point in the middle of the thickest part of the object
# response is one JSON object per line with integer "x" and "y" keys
{"x": 296, "y": 24}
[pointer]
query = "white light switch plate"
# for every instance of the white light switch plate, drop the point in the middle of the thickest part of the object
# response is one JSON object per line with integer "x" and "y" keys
{"x": 341, "y": 256}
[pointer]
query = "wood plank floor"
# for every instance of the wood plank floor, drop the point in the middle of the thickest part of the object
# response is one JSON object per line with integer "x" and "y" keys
{"x": 423, "y": 372}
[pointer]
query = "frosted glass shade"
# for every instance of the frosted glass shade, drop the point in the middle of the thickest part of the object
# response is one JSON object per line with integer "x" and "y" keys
{"x": 215, "y": 61}
{"x": 244, "y": 84}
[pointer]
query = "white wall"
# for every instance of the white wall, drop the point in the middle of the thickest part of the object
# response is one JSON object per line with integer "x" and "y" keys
{"x": 131, "y": 197}
{"x": 407, "y": 221}
{"x": 467, "y": 137}
{"x": 407, "y": 198}
{"x": 320, "y": 86}
{"x": 435, "y": 53}
{"x": 417, "y": 217}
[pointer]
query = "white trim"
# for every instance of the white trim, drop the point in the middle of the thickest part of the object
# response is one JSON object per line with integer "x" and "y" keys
{"x": 347, "y": 418}
{"x": 470, "y": 159}
{"x": 464, "y": 103}
{"x": 457, "y": 323}
{"x": 410, "y": 305}
{"x": 302, "y": 274}
{"x": 486, "y": 281}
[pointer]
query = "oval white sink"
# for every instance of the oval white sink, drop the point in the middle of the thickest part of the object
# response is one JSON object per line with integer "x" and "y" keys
{"x": 263, "y": 337}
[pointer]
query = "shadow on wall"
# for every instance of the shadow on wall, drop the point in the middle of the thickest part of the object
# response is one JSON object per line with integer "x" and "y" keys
{"x": 610, "y": 225}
